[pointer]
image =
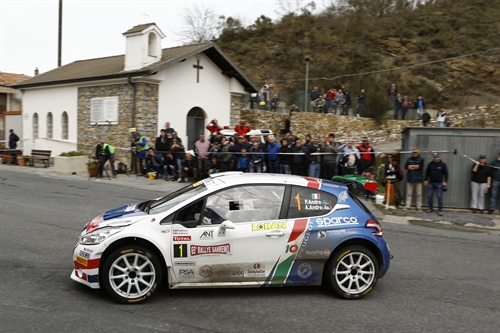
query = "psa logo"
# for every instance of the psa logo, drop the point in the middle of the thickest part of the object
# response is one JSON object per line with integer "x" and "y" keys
{"x": 186, "y": 272}
{"x": 324, "y": 222}
{"x": 208, "y": 234}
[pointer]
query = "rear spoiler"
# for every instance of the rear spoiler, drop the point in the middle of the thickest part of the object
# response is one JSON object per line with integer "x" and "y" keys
{"x": 368, "y": 183}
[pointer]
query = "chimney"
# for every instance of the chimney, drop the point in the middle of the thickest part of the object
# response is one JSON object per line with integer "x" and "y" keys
{"x": 36, "y": 71}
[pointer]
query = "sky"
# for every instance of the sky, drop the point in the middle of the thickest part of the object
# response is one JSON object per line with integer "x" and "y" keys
{"x": 93, "y": 28}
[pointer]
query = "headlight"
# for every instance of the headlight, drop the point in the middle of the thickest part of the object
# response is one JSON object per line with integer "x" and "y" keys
{"x": 98, "y": 235}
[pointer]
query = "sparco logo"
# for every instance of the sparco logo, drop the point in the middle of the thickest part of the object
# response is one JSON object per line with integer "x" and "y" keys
{"x": 323, "y": 222}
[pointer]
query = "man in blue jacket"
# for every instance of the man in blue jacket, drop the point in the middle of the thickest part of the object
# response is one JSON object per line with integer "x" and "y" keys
{"x": 273, "y": 159}
{"x": 415, "y": 176}
{"x": 436, "y": 177}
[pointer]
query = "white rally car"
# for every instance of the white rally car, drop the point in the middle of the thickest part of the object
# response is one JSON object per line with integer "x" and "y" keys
{"x": 235, "y": 230}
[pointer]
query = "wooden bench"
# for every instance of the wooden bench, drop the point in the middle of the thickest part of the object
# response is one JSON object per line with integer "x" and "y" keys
{"x": 7, "y": 153}
{"x": 38, "y": 155}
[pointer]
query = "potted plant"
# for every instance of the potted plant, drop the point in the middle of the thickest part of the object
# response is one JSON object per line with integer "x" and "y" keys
{"x": 70, "y": 162}
{"x": 93, "y": 168}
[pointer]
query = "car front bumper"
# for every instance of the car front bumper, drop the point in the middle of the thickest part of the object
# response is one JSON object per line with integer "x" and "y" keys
{"x": 86, "y": 261}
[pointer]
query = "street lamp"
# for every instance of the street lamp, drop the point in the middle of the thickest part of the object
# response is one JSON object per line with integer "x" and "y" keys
{"x": 307, "y": 82}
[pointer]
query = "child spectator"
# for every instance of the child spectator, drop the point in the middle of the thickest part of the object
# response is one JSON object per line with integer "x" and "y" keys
{"x": 243, "y": 161}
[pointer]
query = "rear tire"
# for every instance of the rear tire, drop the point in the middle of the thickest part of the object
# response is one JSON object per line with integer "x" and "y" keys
{"x": 352, "y": 272}
{"x": 131, "y": 274}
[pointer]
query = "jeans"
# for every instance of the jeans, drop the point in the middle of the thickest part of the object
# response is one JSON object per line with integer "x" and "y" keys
{"x": 285, "y": 169}
{"x": 441, "y": 124}
{"x": 256, "y": 167}
{"x": 396, "y": 112}
{"x": 409, "y": 194}
{"x": 274, "y": 166}
{"x": 329, "y": 105}
{"x": 438, "y": 187}
{"x": 420, "y": 111}
{"x": 495, "y": 188}
{"x": 314, "y": 170}
{"x": 179, "y": 166}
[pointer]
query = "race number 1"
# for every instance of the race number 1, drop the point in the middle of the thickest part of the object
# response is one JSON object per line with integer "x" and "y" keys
{"x": 297, "y": 197}
{"x": 180, "y": 251}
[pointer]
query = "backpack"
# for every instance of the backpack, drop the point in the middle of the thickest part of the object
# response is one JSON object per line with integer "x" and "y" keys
{"x": 122, "y": 168}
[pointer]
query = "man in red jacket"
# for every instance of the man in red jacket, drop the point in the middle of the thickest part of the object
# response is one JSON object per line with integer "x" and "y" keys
{"x": 367, "y": 156}
{"x": 242, "y": 129}
{"x": 213, "y": 126}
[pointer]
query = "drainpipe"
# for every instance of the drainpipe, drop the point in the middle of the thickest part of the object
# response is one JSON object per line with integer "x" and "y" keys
{"x": 133, "y": 159}
{"x": 133, "y": 101}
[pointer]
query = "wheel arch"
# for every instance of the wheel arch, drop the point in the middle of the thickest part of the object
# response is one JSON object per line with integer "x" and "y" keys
{"x": 365, "y": 243}
{"x": 131, "y": 241}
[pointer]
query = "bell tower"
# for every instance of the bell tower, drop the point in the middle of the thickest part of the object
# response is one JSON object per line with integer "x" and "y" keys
{"x": 143, "y": 46}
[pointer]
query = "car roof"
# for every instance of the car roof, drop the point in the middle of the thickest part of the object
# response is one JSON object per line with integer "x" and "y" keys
{"x": 238, "y": 178}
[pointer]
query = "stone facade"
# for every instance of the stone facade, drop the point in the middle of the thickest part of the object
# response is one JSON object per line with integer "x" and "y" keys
{"x": 344, "y": 127}
{"x": 238, "y": 102}
{"x": 118, "y": 135}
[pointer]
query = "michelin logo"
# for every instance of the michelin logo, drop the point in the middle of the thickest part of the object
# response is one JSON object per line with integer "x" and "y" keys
{"x": 324, "y": 222}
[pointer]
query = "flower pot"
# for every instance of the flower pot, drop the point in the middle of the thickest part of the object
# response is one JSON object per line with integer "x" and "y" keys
{"x": 21, "y": 161}
{"x": 94, "y": 172}
{"x": 6, "y": 158}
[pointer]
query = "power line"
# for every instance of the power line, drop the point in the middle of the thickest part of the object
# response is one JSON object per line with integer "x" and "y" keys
{"x": 390, "y": 69}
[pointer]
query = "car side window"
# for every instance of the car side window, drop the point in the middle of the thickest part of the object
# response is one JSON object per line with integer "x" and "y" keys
{"x": 244, "y": 204}
{"x": 309, "y": 202}
{"x": 190, "y": 215}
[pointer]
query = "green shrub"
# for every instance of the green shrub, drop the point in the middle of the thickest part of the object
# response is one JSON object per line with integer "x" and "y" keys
{"x": 73, "y": 153}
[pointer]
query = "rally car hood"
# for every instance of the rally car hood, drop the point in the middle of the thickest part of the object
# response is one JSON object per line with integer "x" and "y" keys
{"x": 120, "y": 216}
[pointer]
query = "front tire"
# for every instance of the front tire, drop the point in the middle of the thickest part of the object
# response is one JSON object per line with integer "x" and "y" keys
{"x": 352, "y": 272}
{"x": 131, "y": 274}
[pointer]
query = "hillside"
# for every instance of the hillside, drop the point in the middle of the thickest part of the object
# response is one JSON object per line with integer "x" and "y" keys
{"x": 362, "y": 37}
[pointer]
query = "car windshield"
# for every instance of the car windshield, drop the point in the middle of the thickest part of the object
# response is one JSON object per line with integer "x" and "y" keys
{"x": 165, "y": 203}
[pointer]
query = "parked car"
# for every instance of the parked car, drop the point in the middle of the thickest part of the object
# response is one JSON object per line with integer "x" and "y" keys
{"x": 235, "y": 229}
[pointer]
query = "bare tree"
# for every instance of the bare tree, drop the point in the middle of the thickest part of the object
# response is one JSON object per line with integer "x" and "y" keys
{"x": 201, "y": 24}
{"x": 296, "y": 7}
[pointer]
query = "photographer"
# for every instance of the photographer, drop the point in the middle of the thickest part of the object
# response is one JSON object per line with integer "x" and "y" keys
{"x": 213, "y": 127}
{"x": 105, "y": 152}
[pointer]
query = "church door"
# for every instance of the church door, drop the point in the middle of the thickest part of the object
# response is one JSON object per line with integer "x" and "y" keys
{"x": 195, "y": 126}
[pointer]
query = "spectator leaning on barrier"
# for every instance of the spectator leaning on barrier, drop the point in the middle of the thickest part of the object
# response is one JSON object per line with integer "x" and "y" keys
{"x": 314, "y": 158}
{"x": 495, "y": 184}
{"x": 414, "y": 178}
{"x": 299, "y": 166}
{"x": 225, "y": 156}
{"x": 285, "y": 157}
{"x": 273, "y": 159}
{"x": 436, "y": 177}
{"x": 349, "y": 159}
{"x": 256, "y": 158}
{"x": 394, "y": 175}
{"x": 480, "y": 183}
{"x": 329, "y": 161}
{"x": 367, "y": 156}
{"x": 202, "y": 148}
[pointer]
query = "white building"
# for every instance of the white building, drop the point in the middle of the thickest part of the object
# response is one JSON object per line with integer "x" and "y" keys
{"x": 77, "y": 105}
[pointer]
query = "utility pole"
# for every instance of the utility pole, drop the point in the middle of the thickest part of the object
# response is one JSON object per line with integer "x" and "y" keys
{"x": 307, "y": 82}
{"x": 60, "y": 35}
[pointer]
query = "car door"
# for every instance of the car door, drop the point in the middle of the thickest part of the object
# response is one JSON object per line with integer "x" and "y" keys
{"x": 240, "y": 237}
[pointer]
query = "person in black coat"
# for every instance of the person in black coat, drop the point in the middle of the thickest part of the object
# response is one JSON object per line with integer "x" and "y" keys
{"x": 299, "y": 166}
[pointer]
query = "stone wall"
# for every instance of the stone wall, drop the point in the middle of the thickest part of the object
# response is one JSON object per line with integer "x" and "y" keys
{"x": 118, "y": 135}
{"x": 238, "y": 102}
{"x": 344, "y": 127}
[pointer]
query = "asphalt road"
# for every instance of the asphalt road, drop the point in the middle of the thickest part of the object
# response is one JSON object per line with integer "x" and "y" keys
{"x": 439, "y": 280}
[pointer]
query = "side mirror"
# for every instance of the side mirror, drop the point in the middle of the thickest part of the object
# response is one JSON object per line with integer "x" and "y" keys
{"x": 223, "y": 226}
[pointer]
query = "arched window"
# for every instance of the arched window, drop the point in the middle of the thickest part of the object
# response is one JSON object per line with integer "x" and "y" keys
{"x": 35, "y": 125}
{"x": 152, "y": 45}
{"x": 64, "y": 124}
{"x": 49, "y": 125}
